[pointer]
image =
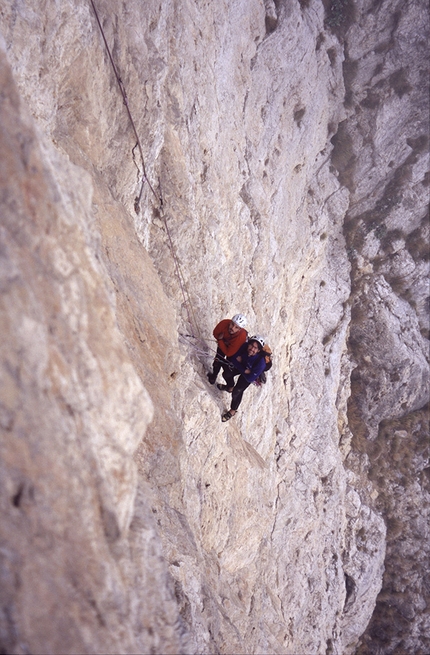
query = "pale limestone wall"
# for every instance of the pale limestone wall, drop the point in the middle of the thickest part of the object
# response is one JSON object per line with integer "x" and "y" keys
{"x": 248, "y": 537}
{"x": 73, "y": 411}
{"x": 381, "y": 153}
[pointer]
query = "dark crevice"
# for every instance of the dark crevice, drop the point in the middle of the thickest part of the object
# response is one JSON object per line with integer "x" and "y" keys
{"x": 16, "y": 499}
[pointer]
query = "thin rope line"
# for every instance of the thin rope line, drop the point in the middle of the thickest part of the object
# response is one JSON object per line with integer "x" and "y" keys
{"x": 184, "y": 288}
{"x": 158, "y": 197}
{"x": 124, "y": 95}
{"x": 182, "y": 282}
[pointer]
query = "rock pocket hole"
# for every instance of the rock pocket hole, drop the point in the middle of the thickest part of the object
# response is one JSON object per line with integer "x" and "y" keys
{"x": 351, "y": 592}
{"x": 16, "y": 499}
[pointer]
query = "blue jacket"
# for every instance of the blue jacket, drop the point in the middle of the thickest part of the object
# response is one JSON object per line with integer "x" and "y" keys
{"x": 256, "y": 364}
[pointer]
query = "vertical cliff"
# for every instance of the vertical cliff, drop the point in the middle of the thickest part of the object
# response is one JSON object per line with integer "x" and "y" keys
{"x": 381, "y": 153}
{"x": 285, "y": 176}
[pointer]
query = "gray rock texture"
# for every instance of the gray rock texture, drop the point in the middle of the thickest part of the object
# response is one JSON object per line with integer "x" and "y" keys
{"x": 285, "y": 176}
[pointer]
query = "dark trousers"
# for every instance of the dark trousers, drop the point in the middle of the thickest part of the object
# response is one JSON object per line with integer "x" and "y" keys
{"x": 238, "y": 388}
{"x": 218, "y": 362}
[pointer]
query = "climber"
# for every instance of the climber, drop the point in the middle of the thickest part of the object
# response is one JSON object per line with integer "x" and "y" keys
{"x": 249, "y": 362}
{"x": 230, "y": 335}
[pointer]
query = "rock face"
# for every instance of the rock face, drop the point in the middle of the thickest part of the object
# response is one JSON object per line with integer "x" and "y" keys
{"x": 286, "y": 177}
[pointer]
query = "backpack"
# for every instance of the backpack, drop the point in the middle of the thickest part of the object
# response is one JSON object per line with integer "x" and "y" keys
{"x": 268, "y": 357}
{"x": 267, "y": 354}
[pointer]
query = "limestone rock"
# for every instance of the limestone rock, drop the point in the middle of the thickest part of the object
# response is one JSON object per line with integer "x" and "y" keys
{"x": 285, "y": 166}
{"x": 73, "y": 411}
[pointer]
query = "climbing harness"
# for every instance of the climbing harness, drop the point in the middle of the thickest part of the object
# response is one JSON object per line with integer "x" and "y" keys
{"x": 158, "y": 197}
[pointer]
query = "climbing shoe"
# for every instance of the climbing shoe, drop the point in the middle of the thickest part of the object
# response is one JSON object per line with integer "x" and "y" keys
{"x": 211, "y": 378}
{"x": 227, "y": 416}
{"x": 224, "y": 387}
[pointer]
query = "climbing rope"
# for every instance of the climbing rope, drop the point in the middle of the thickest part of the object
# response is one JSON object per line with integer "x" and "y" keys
{"x": 158, "y": 197}
{"x": 125, "y": 99}
{"x": 206, "y": 350}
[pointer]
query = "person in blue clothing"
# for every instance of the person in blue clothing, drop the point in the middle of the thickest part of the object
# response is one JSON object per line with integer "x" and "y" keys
{"x": 248, "y": 363}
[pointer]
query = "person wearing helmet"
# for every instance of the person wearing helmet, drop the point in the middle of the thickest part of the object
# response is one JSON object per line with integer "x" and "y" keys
{"x": 249, "y": 363}
{"x": 230, "y": 335}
